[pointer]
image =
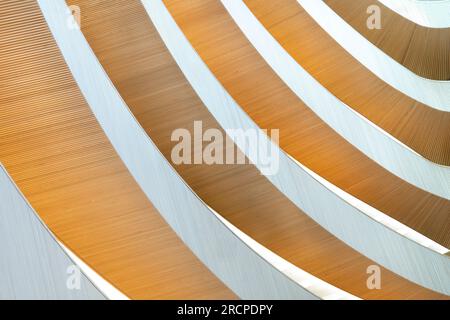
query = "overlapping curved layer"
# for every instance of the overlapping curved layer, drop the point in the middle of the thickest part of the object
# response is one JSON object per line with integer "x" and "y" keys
{"x": 67, "y": 167}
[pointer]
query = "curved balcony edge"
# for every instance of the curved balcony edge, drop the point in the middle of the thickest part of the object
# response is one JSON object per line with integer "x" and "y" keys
{"x": 246, "y": 267}
{"x": 367, "y": 230}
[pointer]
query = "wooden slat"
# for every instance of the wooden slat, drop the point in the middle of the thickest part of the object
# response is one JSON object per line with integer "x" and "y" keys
{"x": 420, "y": 127}
{"x": 60, "y": 158}
{"x": 150, "y": 82}
{"x": 424, "y": 51}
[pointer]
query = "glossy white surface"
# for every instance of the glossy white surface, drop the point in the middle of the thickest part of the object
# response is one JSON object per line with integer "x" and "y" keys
{"x": 427, "y": 13}
{"x": 345, "y": 217}
{"x": 246, "y": 268}
{"x": 33, "y": 264}
{"x": 435, "y": 94}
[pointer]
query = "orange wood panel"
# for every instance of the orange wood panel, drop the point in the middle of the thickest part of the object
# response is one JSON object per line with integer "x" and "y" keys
{"x": 420, "y": 127}
{"x": 424, "y": 51}
{"x": 149, "y": 80}
{"x": 270, "y": 103}
{"x": 58, "y": 155}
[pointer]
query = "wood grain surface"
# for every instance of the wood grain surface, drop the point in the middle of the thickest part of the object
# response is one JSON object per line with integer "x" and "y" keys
{"x": 60, "y": 158}
{"x": 150, "y": 82}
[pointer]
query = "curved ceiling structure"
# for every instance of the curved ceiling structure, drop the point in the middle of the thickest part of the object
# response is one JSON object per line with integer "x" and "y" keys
{"x": 143, "y": 137}
{"x": 242, "y": 195}
{"x": 249, "y": 269}
{"x": 302, "y": 134}
{"x": 379, "y": 237}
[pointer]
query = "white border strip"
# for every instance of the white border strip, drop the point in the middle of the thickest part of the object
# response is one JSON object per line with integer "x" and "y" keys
{"x": 427, "y": 13}
{"x": 250, "y": 272}
{"x": 303, "y": 278}
{"x": 110, "y": 291}
{"x": 341, "y": 217}
{"x": 433, "y": 93}
{"x": 101, "y": 285}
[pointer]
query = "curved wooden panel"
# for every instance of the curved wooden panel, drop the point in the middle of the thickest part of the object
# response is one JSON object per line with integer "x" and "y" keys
{"x": 430, "y": 14}
{"x": 422, "y": 50}
{"x": 131, "y": 52}
{"x": 373, "y": 141}
{"x": 34, "y": 265}
{"x": 62, "y": 161}
{"x": 365, "y": 229}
